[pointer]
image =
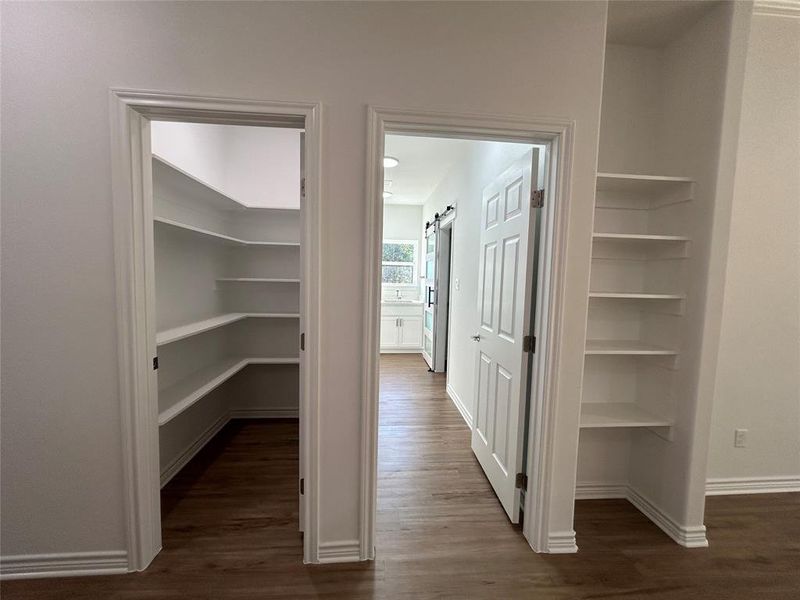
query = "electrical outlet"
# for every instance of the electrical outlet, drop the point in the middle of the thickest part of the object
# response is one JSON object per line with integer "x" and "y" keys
{"x": 457, "y": 283}
{"x": 740, "y": 438}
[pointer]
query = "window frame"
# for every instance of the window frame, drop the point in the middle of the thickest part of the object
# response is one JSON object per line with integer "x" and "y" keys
{"x": 391, "y": 263}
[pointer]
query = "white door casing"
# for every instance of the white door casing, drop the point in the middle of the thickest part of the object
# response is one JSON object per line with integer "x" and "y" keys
{"x": 504, "y": 292}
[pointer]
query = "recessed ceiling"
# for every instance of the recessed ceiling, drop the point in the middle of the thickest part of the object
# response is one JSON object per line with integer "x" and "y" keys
{"x": 424, "y": 162}
{"x": 652, "y": 23}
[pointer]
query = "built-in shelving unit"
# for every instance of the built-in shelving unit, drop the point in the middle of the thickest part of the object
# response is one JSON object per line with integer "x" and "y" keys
{"x": 220, "y": 237}
{"x": 597, "y": 415}
{"x": 638, "y": 237}
{"x": 216, "y": 256}
{"x": 645, "y": 412}
{"x": 635, "y": 296}
{"x": 625, "y": 324}
{"x": 626, "y": 348}
{"x": 257, "y": 280}
{"x": 182, "y": 395}
{"x": 184, "y": 331}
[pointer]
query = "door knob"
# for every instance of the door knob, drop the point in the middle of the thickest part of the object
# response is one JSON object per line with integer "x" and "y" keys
{"x": 476, "y": 338}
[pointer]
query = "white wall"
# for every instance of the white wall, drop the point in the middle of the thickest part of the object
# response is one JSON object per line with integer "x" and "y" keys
{"x": 758, "y": 377}
{"x": 61, "y": 451}
{"x": 632, "y": 104}
{"x": 463, "y": 186}
{"x": 257, "y": 166}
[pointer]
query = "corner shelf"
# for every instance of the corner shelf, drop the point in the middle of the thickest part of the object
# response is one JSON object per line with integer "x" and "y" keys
{"x": 639, "y": 184}
{"x": 220, "y": 237}
{"x": 636, "y": 296}
{"x": 638, "y": 237}
{"x": 596, "y": 415}
{"x": 190, "y": 186}
{"x": 184, "y": 331}
{"x": 185, "y": 393}
{"x": 626, "y": 347}
{"x": 257, "y": 280}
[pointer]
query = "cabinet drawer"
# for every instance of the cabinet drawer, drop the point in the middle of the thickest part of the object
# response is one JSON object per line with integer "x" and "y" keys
{"x": 401, "y": 310}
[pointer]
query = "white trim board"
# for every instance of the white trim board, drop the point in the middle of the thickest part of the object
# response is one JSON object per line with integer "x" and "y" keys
{"x": 558, "y": 134}
{"x": 341, "y": 551}
{"x": 459, "y": 404}
{"x": 561, "y": 542}
{"x": 131, "y": 163}
{"x": 65, "y": 564}
{"x": 723, "y": 486}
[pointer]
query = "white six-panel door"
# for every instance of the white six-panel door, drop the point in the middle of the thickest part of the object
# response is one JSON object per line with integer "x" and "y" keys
{"x": 504, "y": 290}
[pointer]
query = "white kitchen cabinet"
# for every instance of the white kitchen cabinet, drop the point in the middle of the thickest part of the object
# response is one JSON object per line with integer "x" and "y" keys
{"x": 401, "y": 327}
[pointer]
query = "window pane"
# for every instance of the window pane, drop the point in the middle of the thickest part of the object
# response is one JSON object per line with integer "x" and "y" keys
{"x": 398, "y": 252}
{"x": 398, "y": 274}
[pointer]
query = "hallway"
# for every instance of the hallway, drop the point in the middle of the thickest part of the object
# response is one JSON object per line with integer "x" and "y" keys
{"x": 230, "y": 527}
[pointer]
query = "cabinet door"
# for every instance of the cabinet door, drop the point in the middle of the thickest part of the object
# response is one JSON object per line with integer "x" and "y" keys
{"x": 390, "y": 332}
{"x": 411, "y": 332}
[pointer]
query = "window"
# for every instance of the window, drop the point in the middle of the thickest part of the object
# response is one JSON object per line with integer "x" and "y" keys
{"x": 399, "y": 266}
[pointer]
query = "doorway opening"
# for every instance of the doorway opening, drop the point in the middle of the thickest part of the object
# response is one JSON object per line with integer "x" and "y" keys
{"x": 226, "y": 252}
{"x": 217, "y": 240}
{"x": 454, "y": 401}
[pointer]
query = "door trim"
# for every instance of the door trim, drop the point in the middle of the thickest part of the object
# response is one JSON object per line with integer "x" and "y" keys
{"x": 130, "y": 113}
{"x": 559, "y": 133}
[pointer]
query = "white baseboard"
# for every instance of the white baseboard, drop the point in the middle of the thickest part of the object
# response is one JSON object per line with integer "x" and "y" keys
{"x": 459, "y": 405}
{"x": 189, "y": 453}
{"x": 265, "y": 413}
{"x": 687, "y": 536}
{"x": 335, "y": 552}
{"x": 561, "y": 542}
{"x": 67, "y": 564}
{"x": 401, "y": 350}
{"x": 600, "y": 491}
{"x": 751, "y": 485}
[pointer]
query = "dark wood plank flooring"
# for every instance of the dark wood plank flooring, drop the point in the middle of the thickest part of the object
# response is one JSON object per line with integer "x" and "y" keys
{"x": 230, "y": 527}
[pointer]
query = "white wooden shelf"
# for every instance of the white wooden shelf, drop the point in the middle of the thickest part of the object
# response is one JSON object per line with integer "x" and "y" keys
{"x": 633, "y": 183}
{"x": 184, "y": 331}
{"x": 618, "y": 414}
{"x": 187, "y": 185}
{"x": 636, "y": 296}
{"x": 637, "y": 237}
{"x": 258, "y": 280}
{"x": 220, "y": 237}
{"x": 185, "y": 393}
{"x": 626, "y": 347}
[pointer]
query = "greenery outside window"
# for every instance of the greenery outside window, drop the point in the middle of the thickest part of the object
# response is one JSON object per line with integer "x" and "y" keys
{"x": 399, "y": 265}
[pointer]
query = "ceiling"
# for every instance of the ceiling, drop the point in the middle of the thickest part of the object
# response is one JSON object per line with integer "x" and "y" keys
{"x": 424, "y": 162}
{"x": 652, "y": 23}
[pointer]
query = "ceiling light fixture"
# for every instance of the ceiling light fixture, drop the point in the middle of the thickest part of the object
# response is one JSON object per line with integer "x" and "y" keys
{"x": 390, "y": 162}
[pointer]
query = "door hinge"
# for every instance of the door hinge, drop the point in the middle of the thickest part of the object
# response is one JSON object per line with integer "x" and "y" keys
{"x": 302, "y": 341}
{"x": 155, "y": 363}
{"x": 302, "y": 486}
{"x": 537, "y": 198}
{"x": 529, "y": 343}
{"x": 521, "y": 481}
{"x": 303, "y": 187}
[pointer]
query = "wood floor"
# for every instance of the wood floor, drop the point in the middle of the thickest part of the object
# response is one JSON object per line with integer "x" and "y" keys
{"x": 230, "y": 527}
